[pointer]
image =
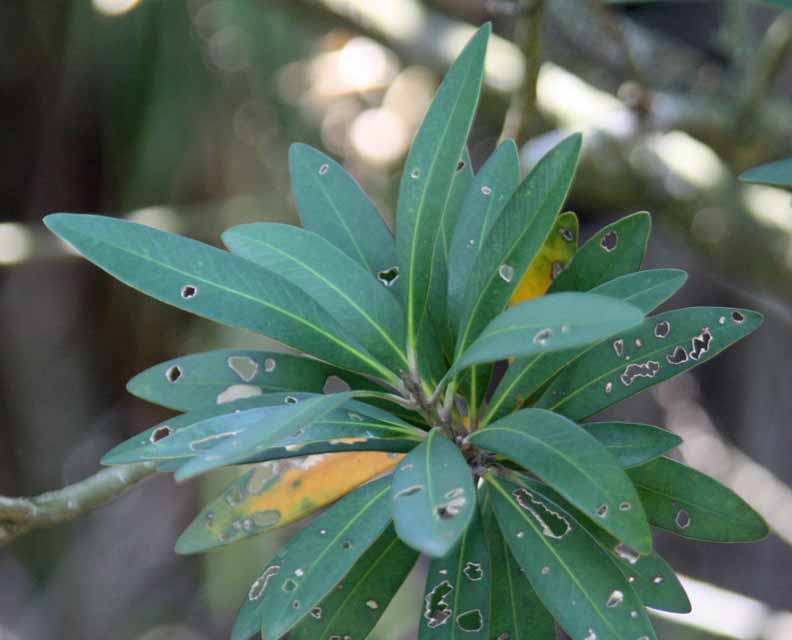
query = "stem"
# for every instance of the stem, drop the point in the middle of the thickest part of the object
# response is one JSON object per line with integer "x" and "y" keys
{"x": 20, "y": 515}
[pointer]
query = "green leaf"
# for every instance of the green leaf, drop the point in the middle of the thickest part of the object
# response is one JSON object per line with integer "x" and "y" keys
{"x": 199, "y": 380}
{"x": 692, "y": 505}
{"x": 574, "y": 463}
{"x": 776, "y": 174}
{"x": 615, "y": 250}
{"x": 652, "y": 578}
{"x": 438, "y": 290}
{"x": 633, "y": 444}
{"x": 492, "y": 188}
{"x": 515, "y": 238}
{"x": 516, "y": 611}
{"x": 367, "y": 589}
{"x": 332, "y": 205}
{"x": 274, "y": 494}
{"x": 247, "y": 441}
{"x": 645, "y": 356}
{"x": 428, "y": 175}
{"x": 433, "y": 496}
{"x": 573, "y": 576}
{"x": 456, "y": 600}
{"x": 526, "y": 376}
{"x": 313, "y": 562}
{"x": 360, "y": 304}
{"x": 548, "y": 324}
{"x": 214, "y": 284}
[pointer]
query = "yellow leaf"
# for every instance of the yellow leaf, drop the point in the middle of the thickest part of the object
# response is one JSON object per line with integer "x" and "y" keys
{"x": 555, "y": 254}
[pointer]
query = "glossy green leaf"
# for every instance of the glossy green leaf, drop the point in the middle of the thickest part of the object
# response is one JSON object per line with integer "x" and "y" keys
{"x": 433, "y": 496}
{"x": 665, "y": 345}
{"x": 313, "y": 562}
{"x": 690, "y": 504}
{"x": 275, "y": 494}
{"x": 515, "y": 238}
{"x": 214, "y": 284}
{"x": 615, "y": 250}
{"x": 428, "y": 175}
{"x": 652, "y": 578}
{"x": 456, "y": 600}
{"x": 775, "y": 174}
{"x": 355, "y": 609}
{"x": 332, "y": 204}
{"x": 516, "y": 612}
{"x": 492, "y": 188}
{"x": 571, "y": 573}
{"x": 633, "y": 444}
{"x": 200, "y": 380}
{"x": 241, "y": 444}
{"x": 526, "y": 376}
{"x": 360, "y": 304}
{"x": 548, "y": 324}
{"x": 574, "y": 463}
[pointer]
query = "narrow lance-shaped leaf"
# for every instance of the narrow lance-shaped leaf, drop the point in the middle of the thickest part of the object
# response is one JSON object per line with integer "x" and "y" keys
{"x": 774, "y": 174}
{"x": 282, "y": 422}
{"x": 274, "y": 494}
{"x": 663, "y": 346}
{"x": 574, "y": 463}
{"x": 354, "y": 610}
{"x": 653, "y": 579}
{"x": 526, "y": 376}
{"x": 614, "y": 251}
{"x": 433, "y": 496}
{"x": 633, "y": 444}
{"x": 313, "y": 562}
{"x": 516, "y": 612}
{"x": 428, "y": 174}
{"x": 332, "y": 204}
{"x": 556, "y": 253}
{"x": 692, "y": 505}
{"x": 205, "y": 379}
{"x": 360, "y": 304}
{"x": 456, "y": 600}
{"x": 214, "y": 284}
{"x": 572, "y": 575}
{"x": 492, "y": 188}
{"x": 547, "y": 324}
{"x": 515, "y": 238}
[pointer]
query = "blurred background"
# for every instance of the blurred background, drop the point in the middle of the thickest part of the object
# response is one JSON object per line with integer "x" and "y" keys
{"x": 180, "y": 113}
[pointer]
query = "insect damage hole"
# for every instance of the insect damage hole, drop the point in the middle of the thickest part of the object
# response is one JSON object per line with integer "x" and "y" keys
{"x": 437, "y": 612}
{"x": 160, "y": 433}
{"x": 238, "y": 392}
{"x": 678, "y": 356}
{"x": 662, "y": 329}
{"x": 473, "y": 571}
{"x": 610, "y": 241}
{"x": 189, "y": 291}
{"x": 174, "y": 373}
{"x": 324, "y": 169}
{"x": 615, "y": 599}
{"x": 552, "y": 523}
{"x": 506, "y": 272}
{"x": 487, "y": 191}
{"x": 470, "y": 621}
{"x": 682, "y": 519}
{"x": 737, "y": 317}
{"x": 388, "y": 277}
{"x": 316, "y": 613}
{"x": 618, "y": 347}
{"x": 260, "y": 584}
{"x": 542, "y": 337}
{"x": 626, "y": 553}
{"x": 410, "y": 491}
{"x": 567, "y": 234}
{"x": 700, "y": 344}
{"x": 460, "y": 165}
{"x": 648, "y": 369}
{"x": 246, "y": 368}
{"x": 451, "y": 509}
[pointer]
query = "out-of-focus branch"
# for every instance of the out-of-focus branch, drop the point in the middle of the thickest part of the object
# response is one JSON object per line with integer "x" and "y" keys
{"x": 19, "y": 515}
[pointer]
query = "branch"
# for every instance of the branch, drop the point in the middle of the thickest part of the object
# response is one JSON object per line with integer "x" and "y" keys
{"x": 20, "y": 515}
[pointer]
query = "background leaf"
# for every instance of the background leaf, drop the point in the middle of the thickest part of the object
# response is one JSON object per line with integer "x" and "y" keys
{"x": 644, "y": 356}
{"x": 613, "y": 251}
{"x": 573, "y": 576}
{"x": 214, "y": 284}
{"x": 776, "y": 174}
{"x": 690, "y": 504}
{"x": 367, "y": 590}
{"x": 576, "y": 465}
{"x": 433, "y": 496}
{"x": 313, "y": 562}
{"x": 633, "y": 444}
{"x": 275, "y": 494}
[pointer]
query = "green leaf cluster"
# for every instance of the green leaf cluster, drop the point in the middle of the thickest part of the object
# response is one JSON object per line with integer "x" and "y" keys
{"x": 377, "y": 407}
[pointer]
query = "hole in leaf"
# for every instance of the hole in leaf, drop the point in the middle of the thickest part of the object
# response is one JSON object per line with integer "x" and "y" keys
{"x": 592, "y": 635}
{"x": 473, "y": 571}
{"x": 618, "y": 347}
{"x": 608, "y": 387}
{"x": 437, "y": 612}
{"x": 700, "y": 344}
{"x": 615, "y": 599}
{"x": 189, "y": 291}
{"x": 372, "y": 604}
{"x": 738, "y": 317}
{"x": 316, "y": 613}
{"x": 546, "y": 570}
{"x": 415, "y": 173}
{"x": 602, "y": 511}
{"x": 460, "y": 165}
{"x": 678, "y": 356}
{"x": 210, "y": 441}
{"x": 662, "y": 329}
{"x": 238, "y": 392}
{"x": 506, "y": 272}
{"x": 567, "y": 234}
{"x": 410, "y": 491}
{"x": 346, "y": 544}
{"x": 296, "y": 604}
{"x": 487, "y": 191}
{"x": 260, "y": 584}
{"x": 451, "y": 509}
{"x": 174, "y": 373}
{"x": 647, "y": 370}
{"x": 682, "y": 519}
{"x": 543, "y": 336}
{"x": 289, "y": 585}
{"x": 290, "y": 400}
{"x": 324, "y": 169}
{"x": 160, "y": 433}
{"x": 269, "y": 365}
{"x": 627, "y": 553}
{"x": 553, "y": 524}
{"x": 610, "y": 241}
{"x": 555, "y": 270}
{"x": 658, "y": 580}
{"x": 246, "y": 368}
{"x": 471, "y": 621}
{"x": 625, "y": 506}
{"x": 388, "y": 277}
